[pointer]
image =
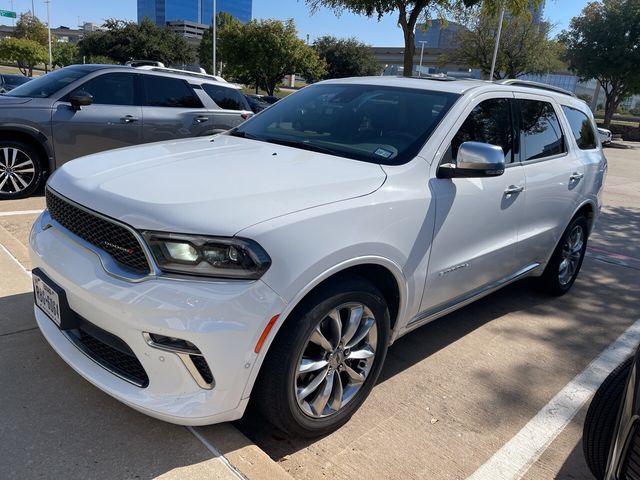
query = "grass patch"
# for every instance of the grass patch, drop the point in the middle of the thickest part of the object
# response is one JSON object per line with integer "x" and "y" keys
{"x": 252, "y": 91}
{"x": 618, "y": 122}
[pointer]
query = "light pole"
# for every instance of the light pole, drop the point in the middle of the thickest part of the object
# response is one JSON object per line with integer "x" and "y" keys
{"x": 13, "y": 20}
{"x": 213, "y": 36}
{"x": 422, "y": 42}
{"x": 49, "y": 31}
{"x": 495, "y": 47}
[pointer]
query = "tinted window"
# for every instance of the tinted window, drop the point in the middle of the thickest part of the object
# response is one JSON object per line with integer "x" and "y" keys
{"x": 50, "y": 83}
{"x": 111, "y": 89}
{"x": 379, "y": 124}
{"x": 15, "y": 79}
{"x": 488, "y": 122}
{"x": 541, "y": 133}
{"x": 581, "y": 127}
{"x": 169, "y": 92}
{"x": 227, "y": 98}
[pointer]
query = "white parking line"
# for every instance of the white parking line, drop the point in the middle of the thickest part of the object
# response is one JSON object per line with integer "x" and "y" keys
{"x": 20, "y": 212}
{"x": 22, "y": 267}
{"x": 513, "y": 460}
{"x": 217, "y": 454}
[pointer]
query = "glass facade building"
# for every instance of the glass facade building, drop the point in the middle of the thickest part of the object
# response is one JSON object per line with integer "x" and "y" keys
{"x": 199, "y": 11}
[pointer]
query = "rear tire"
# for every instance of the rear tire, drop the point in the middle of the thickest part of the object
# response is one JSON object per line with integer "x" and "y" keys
{"x": 350, "y": 365}
{"x": 602, "y": 417}
{"x": 565, "y": 263}
{"x": 21, "y": 171}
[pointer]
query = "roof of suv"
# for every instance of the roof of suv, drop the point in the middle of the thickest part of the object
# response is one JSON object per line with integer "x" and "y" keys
{"x": 460, "y": 86}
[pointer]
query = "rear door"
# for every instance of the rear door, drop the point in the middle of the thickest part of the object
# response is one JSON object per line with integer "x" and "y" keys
{"x": 113, "y": 120}
{"x": 171, "y": 109}
{"x": 233, "y": 108}
{"x": 476, "y": 230}
{"x": 554, "y": 176}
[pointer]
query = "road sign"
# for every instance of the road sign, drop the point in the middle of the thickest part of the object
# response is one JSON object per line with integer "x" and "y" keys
{"x": 7, "y": 13}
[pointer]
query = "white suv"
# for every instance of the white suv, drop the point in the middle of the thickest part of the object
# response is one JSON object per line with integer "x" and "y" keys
{"x": 279, "y": 260}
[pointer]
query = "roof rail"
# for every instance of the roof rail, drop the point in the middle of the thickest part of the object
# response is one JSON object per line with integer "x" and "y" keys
{"x": 182, "y": 72}
{"x": 542, "y": 86}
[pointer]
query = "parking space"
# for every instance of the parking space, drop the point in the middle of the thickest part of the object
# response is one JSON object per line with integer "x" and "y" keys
{"x": 451, "y": 395}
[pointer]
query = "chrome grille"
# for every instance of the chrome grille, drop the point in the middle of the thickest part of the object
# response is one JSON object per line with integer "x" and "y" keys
{"x": 114, "y": 239}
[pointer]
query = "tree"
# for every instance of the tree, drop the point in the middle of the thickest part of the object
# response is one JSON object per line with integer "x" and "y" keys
{"x": 263, "y": 52}
{"x": 346, "y": 57}
{"x": 524, "y": 48}
{"x": 64, "y": 54}
{"x": 604, "y": 43}
{"x": 123, "y": 41}
{"x": 411, "y": 11}
{"x": 26, "y": 53}
{"x": 30, "y": 28}
{"x": 205, "y": 50}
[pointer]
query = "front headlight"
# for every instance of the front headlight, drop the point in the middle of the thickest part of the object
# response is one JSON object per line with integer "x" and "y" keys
{"x": 237, "y": 258}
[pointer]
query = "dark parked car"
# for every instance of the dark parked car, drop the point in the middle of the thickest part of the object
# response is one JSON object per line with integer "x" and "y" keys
{"x": 256, "y": 103}
{"x": 611, "y": 435}
{"x": 84, "y": 109}
{"x": 8, "y": 82}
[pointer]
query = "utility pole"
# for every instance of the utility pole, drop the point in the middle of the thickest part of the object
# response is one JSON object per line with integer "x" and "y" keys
{"x": 49, "y": 30}
{"x": 213, "y": 36}
{"x": 495, "y": 48}
{"x": 422, "y": 42}
{"x": 13, "y": 20}
{"x": 33, "y": 10}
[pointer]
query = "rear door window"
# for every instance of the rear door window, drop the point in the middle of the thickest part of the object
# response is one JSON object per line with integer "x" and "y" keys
{"x": 111, "y": 89}
{"x": 169, "y": 92}
{"x": 541, "y": 133}
{"x": 226, "y": 98}
{"x": 581, "y": 127}
{"x": 489, "y": 122}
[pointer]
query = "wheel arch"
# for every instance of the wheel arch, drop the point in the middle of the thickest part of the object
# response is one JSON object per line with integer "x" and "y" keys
{"x": 588, "y": 209}
{"x": 388, "y": 278}
{"x": 33, "y": 137}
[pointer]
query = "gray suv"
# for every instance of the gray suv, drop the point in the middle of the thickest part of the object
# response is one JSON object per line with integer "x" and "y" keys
{"x": 84, "y": 109}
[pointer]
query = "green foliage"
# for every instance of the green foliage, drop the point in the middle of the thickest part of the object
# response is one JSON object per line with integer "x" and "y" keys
{"x": 123, "y": 41}
{"x": 29, "y": 27}
{"x": 411, "y": 11}
{"x": 205, "y": 50}
{"x": 604, "y": 43}
{"x": 262, "y": 52}
{"x": 346, "y": 57}
{"x": 524, "y": 48}
{"x": 26, "y": 53}
{"x": 65, "y": 54}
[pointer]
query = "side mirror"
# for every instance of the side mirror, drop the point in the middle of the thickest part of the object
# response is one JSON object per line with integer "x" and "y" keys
{"x": 80, "y": 99}
{"x": 474, "y": 160}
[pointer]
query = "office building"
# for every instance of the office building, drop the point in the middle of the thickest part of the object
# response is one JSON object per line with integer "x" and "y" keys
{"x": 161, "y": 12}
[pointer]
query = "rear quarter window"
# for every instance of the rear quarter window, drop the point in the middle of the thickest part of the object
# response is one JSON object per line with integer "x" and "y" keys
{"x": 226, "y": 98}
{"x": 581, "y": 127}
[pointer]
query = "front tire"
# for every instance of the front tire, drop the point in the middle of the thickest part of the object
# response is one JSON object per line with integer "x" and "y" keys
{"x": 564, "y": 265}
{"x": 21, "y": 172}
{"x": 601, "y": 419}
{"x": 325, "y": 360}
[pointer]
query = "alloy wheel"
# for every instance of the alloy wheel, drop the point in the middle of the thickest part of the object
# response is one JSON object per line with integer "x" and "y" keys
{"x": 571, "y": 254}
{"x": 17, "y": 170}
{"x": 336, "y": 360}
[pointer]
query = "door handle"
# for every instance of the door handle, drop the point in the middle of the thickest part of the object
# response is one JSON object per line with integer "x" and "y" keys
{"x": 511, "y": 189}
{"x": 576, "y": 176}
{"x": 201, "y": 119}
{"x": 128, "y": 119}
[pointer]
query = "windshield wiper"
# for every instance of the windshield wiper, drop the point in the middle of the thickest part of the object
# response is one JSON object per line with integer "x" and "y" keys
{"x": 300, "y": 144}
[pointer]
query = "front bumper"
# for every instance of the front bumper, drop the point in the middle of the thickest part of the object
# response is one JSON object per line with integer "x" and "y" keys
{"x": 224, "y": 319}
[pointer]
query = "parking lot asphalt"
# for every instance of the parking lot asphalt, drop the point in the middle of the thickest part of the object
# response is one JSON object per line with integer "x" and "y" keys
{"x": 451, "y": 395}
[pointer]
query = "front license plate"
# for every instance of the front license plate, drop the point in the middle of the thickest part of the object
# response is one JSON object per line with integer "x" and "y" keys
{"x": 47, "y": 299}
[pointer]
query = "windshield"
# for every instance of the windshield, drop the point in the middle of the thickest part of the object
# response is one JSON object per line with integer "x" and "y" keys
{"x": 384, "y": 125}
{"x": 50, "y": 83}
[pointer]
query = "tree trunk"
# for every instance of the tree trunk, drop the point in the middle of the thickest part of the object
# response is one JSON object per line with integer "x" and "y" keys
{"x": 409, "y": 50}
{"x": 609, "y": 110}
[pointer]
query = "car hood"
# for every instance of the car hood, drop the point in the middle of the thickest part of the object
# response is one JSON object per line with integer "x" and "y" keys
{"x": 211, "y": 187}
